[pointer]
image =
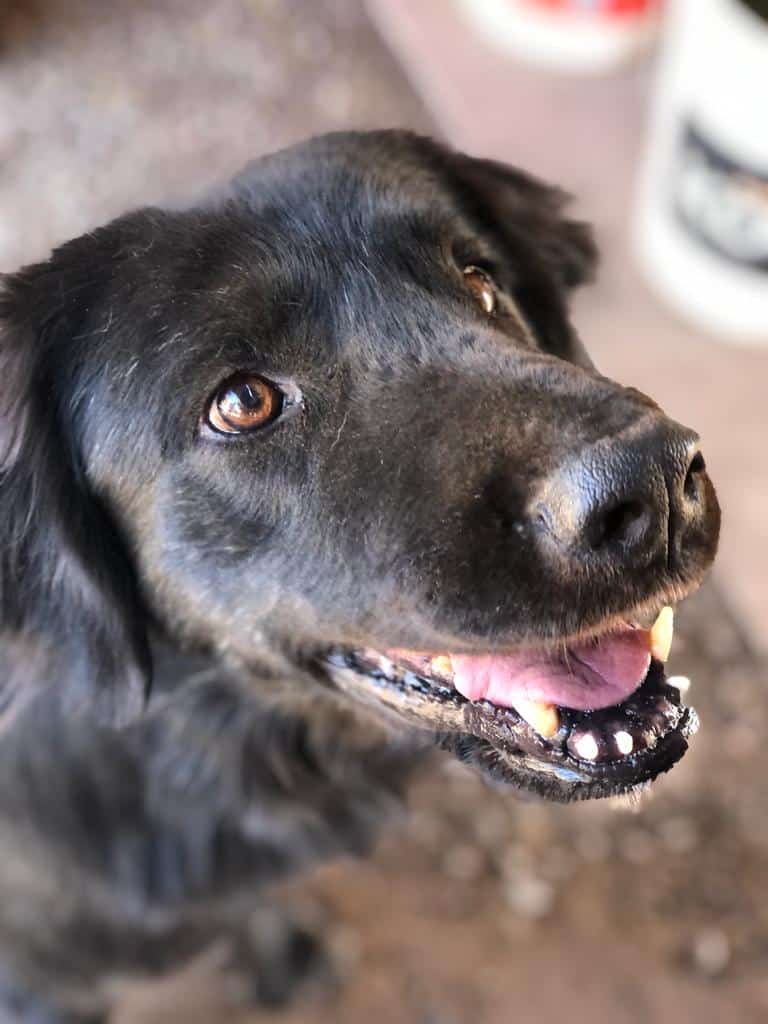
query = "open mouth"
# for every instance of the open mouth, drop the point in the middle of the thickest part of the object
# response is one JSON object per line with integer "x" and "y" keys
{"x": 591, "y": 718}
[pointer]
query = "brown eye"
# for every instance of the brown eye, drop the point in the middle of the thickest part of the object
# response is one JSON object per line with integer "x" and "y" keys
{"x": 482, "y": 288}
{"x": 242, "y": 403}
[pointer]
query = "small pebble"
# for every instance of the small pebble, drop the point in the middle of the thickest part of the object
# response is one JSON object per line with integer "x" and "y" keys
{"x": 711, "y": 952}
{"x": 530, "y": 897}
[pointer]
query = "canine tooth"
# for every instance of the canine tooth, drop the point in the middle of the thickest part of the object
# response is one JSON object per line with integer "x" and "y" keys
{"x": 681, "y": 683}
{"x": 586, "y": 747}
{"x": 661, "y": 634}
{"x": 442, "y": 665}
{"x": 544, "y": 718}
{"x": 624, "y": 742}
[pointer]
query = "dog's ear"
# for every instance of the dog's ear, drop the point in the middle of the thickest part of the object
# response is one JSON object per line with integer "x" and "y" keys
{"x": 70, "y": 613}
{"x": 528, "y": 213}
{"x": 550, "y": 254}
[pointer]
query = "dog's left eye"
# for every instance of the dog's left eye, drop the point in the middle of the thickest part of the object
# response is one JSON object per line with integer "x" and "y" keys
{"x": 243, "y": 403}
{"x": 481, "y": 285}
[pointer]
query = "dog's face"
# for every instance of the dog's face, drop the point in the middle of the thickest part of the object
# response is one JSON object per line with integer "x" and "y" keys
{"x": 336, "y": 419}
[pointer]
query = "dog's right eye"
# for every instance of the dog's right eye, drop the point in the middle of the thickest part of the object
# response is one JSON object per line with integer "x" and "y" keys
{"x": 244, "y": 403}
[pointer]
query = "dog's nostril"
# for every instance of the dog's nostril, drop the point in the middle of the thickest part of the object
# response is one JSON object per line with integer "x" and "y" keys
{"x": 695, "y": 469}
{"x": 618, "y": 524}
{"x": 624, "y": 501}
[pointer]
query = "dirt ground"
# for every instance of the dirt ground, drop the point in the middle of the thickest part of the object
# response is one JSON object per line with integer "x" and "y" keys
{"x": 478, "y": 907}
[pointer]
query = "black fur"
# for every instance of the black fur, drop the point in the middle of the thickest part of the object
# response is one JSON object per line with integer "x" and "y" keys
{"x": 145, "y": 805}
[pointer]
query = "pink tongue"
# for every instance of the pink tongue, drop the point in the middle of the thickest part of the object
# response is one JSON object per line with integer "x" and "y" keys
{"x": 588, "y": 677}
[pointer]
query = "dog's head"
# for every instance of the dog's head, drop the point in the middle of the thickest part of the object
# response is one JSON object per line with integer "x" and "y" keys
{"x": 336, "y": 420}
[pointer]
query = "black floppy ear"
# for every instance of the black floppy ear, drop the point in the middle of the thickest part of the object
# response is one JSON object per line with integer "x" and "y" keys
{"x": 70, "y": 612}
{"x": 525, "y": 211}
{"x": 549, "y": 253}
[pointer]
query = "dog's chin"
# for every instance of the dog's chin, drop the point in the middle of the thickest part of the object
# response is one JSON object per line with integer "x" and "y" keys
{"x": 584, "y": 748}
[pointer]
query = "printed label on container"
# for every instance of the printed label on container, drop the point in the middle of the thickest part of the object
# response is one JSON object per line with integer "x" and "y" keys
{"x": 721, "y": 202}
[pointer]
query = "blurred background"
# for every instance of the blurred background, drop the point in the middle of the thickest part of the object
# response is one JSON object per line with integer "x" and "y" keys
{"x": 479, "y": 907}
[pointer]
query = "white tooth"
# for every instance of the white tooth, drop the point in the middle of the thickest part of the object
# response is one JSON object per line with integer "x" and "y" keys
{"x": 661, "y": 634}
{"x": 442, "y": 665}
{"x": 624, "y": 742}
{"x": 386, "y": 666}
{"x": 544, "y": 718}
{"x": 586, "y": 747}
{"x": 681, "y": 683}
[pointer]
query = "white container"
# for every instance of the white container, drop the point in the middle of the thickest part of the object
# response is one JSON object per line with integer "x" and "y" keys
{"x": 702, "y": 219}
{"x": 582, "y": 36}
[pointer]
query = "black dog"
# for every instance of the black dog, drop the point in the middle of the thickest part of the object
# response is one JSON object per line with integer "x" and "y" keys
{"x": 328, "y": 435}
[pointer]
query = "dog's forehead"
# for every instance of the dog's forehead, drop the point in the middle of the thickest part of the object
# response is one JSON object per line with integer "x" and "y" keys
{"x": 361, "y": 167}
{"x": 342, "y": 246}
{"x": 352, "y": 196}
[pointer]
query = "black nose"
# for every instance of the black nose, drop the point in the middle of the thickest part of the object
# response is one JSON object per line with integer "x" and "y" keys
{"x": 624, "y": 499}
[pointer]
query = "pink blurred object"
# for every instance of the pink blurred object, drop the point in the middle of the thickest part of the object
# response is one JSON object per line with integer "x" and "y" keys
{"x": 588, "y": 36}
{"x": 597, "y": 8}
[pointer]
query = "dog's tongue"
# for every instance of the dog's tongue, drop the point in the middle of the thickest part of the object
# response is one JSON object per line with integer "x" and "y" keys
{"x": 585, "y": 677}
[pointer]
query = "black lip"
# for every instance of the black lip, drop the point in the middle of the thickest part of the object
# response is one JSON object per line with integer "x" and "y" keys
{"x": 499, "y": 741}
